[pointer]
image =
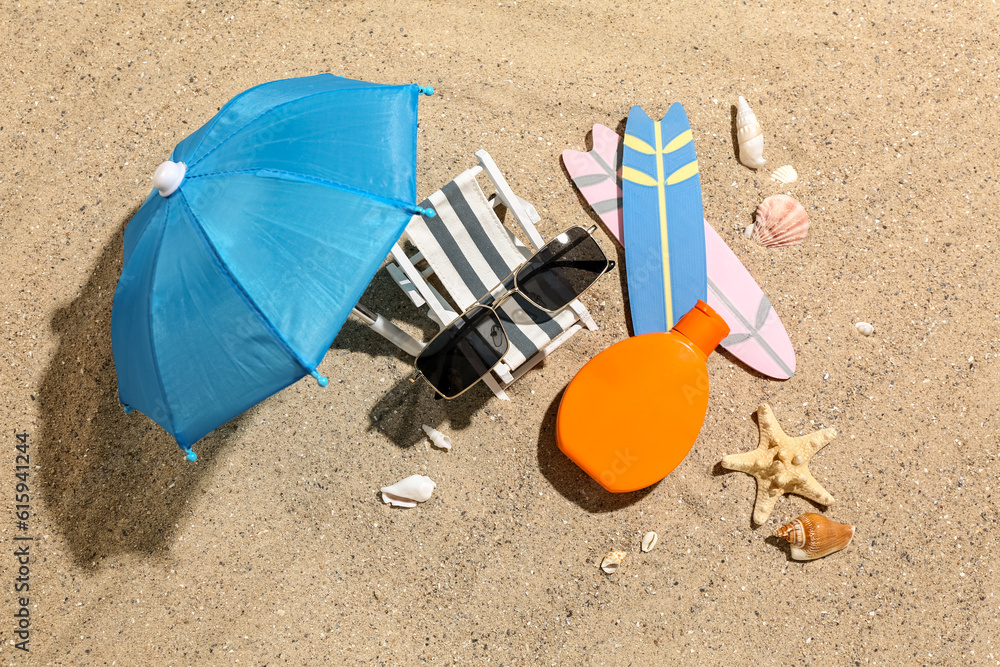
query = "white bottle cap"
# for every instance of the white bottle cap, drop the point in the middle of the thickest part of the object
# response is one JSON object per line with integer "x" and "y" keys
{"x": 168, "y": 177}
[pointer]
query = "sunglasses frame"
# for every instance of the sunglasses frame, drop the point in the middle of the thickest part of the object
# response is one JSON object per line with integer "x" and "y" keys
{"x": 514, "y": 290}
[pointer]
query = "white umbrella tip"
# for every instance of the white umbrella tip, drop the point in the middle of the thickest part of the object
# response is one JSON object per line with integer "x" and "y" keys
{"x": 168, "y": 176}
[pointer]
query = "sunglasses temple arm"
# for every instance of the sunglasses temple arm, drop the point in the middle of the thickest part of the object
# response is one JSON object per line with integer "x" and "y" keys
{"x": 388, "y": 330}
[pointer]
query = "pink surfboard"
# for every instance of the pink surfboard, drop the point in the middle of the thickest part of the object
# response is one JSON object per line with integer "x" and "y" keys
{"x": 757, "y": 337}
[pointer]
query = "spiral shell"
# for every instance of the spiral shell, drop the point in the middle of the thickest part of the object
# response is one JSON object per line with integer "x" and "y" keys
{"x": 781, "y": 220}
{"x": 749, "y": 136}
{"x": 437, "y": 438}
{"x": 814, "y": 536}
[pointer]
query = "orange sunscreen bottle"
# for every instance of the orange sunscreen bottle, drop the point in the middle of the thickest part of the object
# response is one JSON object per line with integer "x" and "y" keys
{"x": 631, "y": 415}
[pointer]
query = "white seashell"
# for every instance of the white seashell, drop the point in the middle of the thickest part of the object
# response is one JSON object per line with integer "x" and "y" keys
{"x": 612, "y": 561}
{"x": 649, "y": 540}
{"x": 864, "y": 328}
{"x": 437, "y": 438}
{"x": 780, "y": 220}
{"x": 785, "y": 174}
{"x": 749, "y": 136}
{"x": 408, "y": 492}
{"x": 748, "y": 232}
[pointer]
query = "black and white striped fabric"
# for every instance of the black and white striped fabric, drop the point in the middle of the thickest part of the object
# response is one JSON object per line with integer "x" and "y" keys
{"x": 471, "y": 252}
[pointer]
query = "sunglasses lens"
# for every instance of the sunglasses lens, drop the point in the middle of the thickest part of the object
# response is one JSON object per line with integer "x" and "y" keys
{"x": 562, "y": 270}
{"x": 463, "y": 352}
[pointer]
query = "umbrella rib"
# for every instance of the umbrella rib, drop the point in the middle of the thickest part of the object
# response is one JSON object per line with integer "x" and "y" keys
{"x": 149, "y": 311}
{"x": 247, "y": 299}
{"x": 303, "y": 178}
{"x": 264, "y": 113}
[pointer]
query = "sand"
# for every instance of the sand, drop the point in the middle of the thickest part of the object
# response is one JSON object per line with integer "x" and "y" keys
{"x": 274, "y": 548}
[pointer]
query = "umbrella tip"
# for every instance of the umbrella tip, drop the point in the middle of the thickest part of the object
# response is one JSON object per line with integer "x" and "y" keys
{"x": 190, "y": 455}
{"x": 426, "y": 212}
{"x": 426, "y": 90}
{"x": 168, "y": 176}
{"x": 128, "y": 409}
{"x": 320, "y": 380}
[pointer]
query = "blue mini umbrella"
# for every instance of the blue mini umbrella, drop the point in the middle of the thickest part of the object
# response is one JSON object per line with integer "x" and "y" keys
{"x": 264, "y": 229}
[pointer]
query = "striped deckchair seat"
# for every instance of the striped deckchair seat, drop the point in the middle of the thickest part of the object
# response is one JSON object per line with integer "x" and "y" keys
{"x": 471, "y": 252}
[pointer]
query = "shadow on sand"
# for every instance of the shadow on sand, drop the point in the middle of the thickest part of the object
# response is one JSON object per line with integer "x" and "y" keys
{"x": 569, "y": 479}
{"x": 113, "y": 483}
{"x": 399, "y": 413}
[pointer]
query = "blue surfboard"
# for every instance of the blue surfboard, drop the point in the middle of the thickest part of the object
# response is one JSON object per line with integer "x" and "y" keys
{"x": 663, "y": 220}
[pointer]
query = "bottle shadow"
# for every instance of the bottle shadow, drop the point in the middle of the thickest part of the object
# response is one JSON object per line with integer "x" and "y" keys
{"x": 112, "y": 483}
{"x": 570, "y": 480}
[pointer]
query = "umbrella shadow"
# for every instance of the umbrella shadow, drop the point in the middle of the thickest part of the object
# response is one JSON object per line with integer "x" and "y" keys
{"x": 569, "y": 479}
{"x": 113, "y": 483}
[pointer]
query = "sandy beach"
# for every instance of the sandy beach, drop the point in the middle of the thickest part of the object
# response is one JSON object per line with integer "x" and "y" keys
{"x": 275, "y": 547}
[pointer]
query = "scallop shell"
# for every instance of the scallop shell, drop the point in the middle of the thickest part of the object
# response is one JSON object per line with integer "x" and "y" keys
{"x": 437, "y": 438}
{"x": 864, "y": 328}
{"x": 612, "y": 561}
{"x": 781, "y": 220}
{"x": 649, "y": 540}
{"x": 749, "y": 136}
{"x": 408, "y": 492}
{"x": 785, "y": 174}
{"x": 814, "y": 536}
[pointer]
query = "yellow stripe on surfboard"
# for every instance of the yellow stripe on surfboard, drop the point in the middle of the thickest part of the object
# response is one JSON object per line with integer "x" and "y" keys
{"x": 662, "y": 196}
{"x": 637, "y": 144}
{"x": 684, "y": 173}
{"x": 639, "y": 177}
{"x": 681, "y": 140}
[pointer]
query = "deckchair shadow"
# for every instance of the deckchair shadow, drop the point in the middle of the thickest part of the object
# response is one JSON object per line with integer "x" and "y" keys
{"x": 356, "y": 336}
{"x": 400, "y": 411}
{"x": 112, "y": 483}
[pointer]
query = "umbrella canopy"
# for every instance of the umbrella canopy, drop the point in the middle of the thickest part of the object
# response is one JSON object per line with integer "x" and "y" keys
{"x": 264, "y": 229}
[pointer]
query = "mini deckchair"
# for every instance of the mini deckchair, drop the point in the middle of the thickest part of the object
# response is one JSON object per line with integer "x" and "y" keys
{"x": 473, "y": 256}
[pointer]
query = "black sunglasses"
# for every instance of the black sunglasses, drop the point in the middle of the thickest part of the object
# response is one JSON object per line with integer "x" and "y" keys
{"x": 470, "y": 346}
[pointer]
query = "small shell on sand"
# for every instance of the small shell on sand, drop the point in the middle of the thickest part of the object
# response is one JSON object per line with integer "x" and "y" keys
{"x": 864, "y": 328}
{"x": 649, "y": 540}
{"x": 749, "y": 135}
{"x": 780, "y": 220}
{"x": 408, "y": 492}
{"x": 813, "y": 536}
{"x": 785, "y": 174}
{"x": 612, "y": 561}
{"x": 437, "y": 438}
